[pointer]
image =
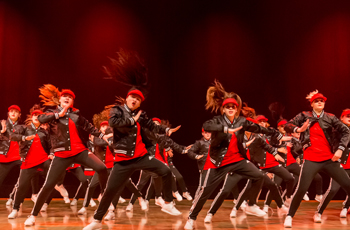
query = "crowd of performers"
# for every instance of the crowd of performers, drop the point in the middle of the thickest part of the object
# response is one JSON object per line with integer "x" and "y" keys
{"x": 236, "y": 145}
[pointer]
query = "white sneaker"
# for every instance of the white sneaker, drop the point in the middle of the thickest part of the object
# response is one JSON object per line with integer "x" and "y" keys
{"x": 34, "y": 197}
{"x": 159, "y": 201}
{"x": 143, "y": 204}
{"x": 266, "y": 208}
{"x": 177, "y": 196}
{"x": 92, "y": 203}
{"x": 44, "y": 207}
{"x": 244, "y": 205}
{"x": 111, "y": 207}
{"x": 189, "y": 224}
{"x": 343, "y": 213}
{"x": 170, "y": 209}
{"x": 30, "y": 221}
{"x": 254, "y": 210}
{"x": 13, "y": 214}
{"x": 208, "y": 218}
{"x": 94, "y": 225}
{"x": 288, "y": 202}
{"x": 288, "y": 222}
{"x": 99, "y": 197}
{"x": 74, "y": 202}
{"x": 317, "y": 218}
{"x": 318, "y": 198}
{"x": 306, "y": 197}
{"x": 82, "y": 211}
{"x": 121, "y": 200}
{"x": 66, "y": 199}
{"x": 283, "y": 210}
{"x": 62, "y": 190}
{"x": 110, "y": 216}
{"x": 233, "y": 213}
{"x": 9, "y": 202}
{"x": 187, "y": 196}
{"x": 130, "y": 207}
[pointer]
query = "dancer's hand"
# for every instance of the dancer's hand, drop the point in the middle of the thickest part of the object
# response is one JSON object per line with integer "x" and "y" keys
{"x": 199, "y": 157}
{"x": 106, "y": 137}
{"x": 51, "y": 157}
{"x": 286, "y": 138}
{"x": 64, "y": 110}
{"x": 186, "y": 149}
{"x": 170, "y": 153}
{"x": 279, "y": 158}
{"x": 270, "y": 175}
{"x": 173, "y": 130}
{"x": 3, "y": 126}
{"x": 249, "y": 142}
{"x": 232, "y": 131}
{"x": 298, "y": 160}
{"x": 337, "y": 155}
{"x": 282, "y": 150}
{"x": 290, "y": 144}
{"x": 137, "y": 116}
{"x": 304, "y": 127}
{"x": 31, "y": 137}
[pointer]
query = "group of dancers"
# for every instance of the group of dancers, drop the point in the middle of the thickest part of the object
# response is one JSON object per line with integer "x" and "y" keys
{"x": 236, "y": 145}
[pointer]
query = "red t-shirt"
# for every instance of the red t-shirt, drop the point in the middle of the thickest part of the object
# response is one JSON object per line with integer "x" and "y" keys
{"x": 109, "y": 160}
{"x": 270, "y": 160}
{"x": 76, "y": 145}
{"x": 12, "y": 154}
{"x": 290, "y": 158}
{"x": 231, "y": 156}
{"x": 73, "y": 166}
{"x": 159, "y": 157}
{"x": 36, "y": 154}
{"x": 320, "y": 150}
{"x": 140, "y": 148}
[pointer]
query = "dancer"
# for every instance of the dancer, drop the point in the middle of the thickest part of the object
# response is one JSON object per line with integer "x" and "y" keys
{"x": 345, "y": 162}
{"x": 226, "y": 149}
{"x": 69, "y": 133}
{"x": 316, "y": 132}
{"x": 128, "y": 123}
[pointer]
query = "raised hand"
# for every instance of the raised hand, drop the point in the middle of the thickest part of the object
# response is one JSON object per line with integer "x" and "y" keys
{"x": 137, "y": 116}
{"x": 282, "y": 150}
{"x": 173, "y": 130}
{"x": 3, "y": 126}
{"x": 304, "y": 127}
{"x": 250, "y": 142}
{"x": 232, "y": 131}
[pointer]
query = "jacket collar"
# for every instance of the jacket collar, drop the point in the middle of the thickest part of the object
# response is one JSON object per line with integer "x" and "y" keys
{"x": 127, "y": 108}
{"x": 315, "y": 115}
{"x": 11, "y": 122}
{"x": 33, "y": 126}
{"x": 60, "y": 109}
{"x": 228, "y": 120}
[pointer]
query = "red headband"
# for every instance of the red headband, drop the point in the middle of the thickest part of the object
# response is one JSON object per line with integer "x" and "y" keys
{"x": 156, "y": 119}
{"x": 283, "y": 122}
{"x": 229, "y": 100}
{"x": 317, "y": 96}
{"x": 345, "y": 112}
{"x": 69, "y": 92}
{"x": 14, "y": 107}
{"x": 37, "y": 112}
{"x": 261, "y": 118}
{"x": 104, "y": 123}
{"x": 136, "y": 92}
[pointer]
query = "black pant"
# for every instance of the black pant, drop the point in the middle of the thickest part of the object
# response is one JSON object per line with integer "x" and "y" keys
{"x": 59, "y": 166}
{"x": 155, "y": 188}
{"x": 215, "y": 176}
{"x": 283, "y": 173}
{"x": 308, "y": 172}
{"x": 144, "y": 178}
{"x": 5, "y": 168}
{"x": 332, "y": 190}
{"x": 229, "y": 185}
{"x": 179, "y": 178}
{"x": 24, "y": 182}
{"x": 123, "y": 170}
{"x": 131, "y": 187}
{"x": 84, "y": 182}
{"x": 202, "y": 175}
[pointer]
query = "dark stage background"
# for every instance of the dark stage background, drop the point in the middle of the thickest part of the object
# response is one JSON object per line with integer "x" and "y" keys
{"x": 266, "y": 51}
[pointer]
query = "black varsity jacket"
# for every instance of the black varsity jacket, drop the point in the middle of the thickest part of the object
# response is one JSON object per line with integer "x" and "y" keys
{"x": 199, "y": 148}
{"x": 5, "y": 139}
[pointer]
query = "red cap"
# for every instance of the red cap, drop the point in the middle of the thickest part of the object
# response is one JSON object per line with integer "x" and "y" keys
{"x": 136, "y": 92}
{"x": 252, "y": 120}
{"x": 229, "y": 100}
{"x": 261, "y": 118}
{"x": 69, "y": 92}
{"x": 283, "y": 122}
{"x": 156, "y": 119}
{"x": 345, "y": 112}
{"x": 317, "y": 96}
{"x": 104, "y": 123}
{"x": 14, "y": 107}
{"x": 38, "y": 111}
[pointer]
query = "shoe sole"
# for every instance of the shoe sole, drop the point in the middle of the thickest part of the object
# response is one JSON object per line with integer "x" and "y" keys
{"x": 166, "y": 211}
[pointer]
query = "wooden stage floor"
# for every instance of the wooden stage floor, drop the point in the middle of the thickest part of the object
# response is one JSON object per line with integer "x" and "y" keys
{"x": 62, "y": 216}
